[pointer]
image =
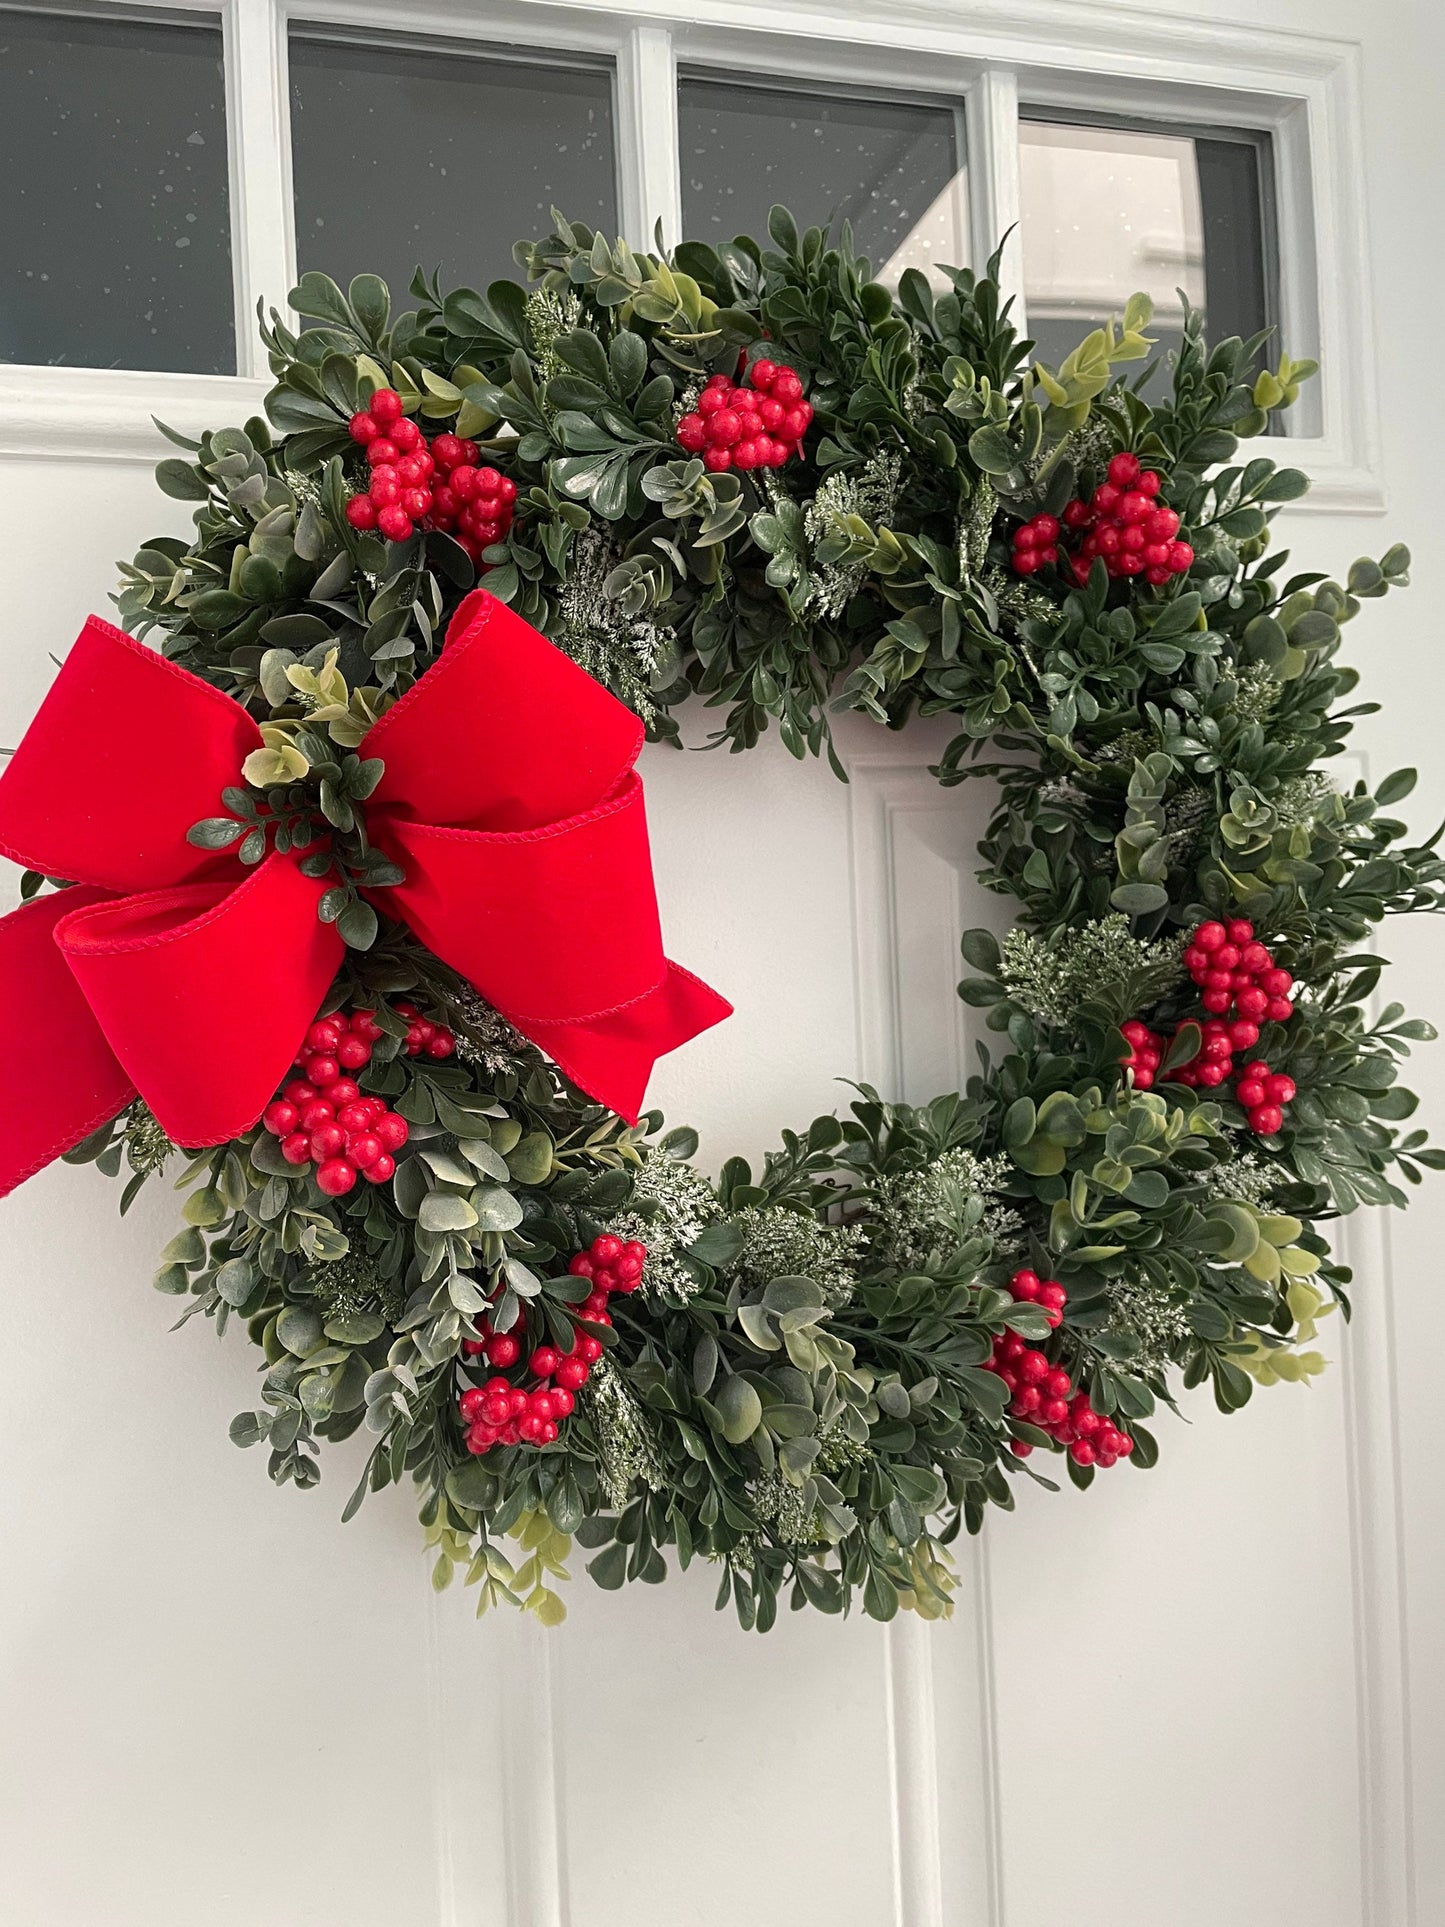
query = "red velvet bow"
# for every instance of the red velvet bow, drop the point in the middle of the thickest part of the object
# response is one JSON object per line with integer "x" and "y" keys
{"x": 509, "y": 799}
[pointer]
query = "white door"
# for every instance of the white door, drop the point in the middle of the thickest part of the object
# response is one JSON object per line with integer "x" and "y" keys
{"x": 1213, "y": 1692}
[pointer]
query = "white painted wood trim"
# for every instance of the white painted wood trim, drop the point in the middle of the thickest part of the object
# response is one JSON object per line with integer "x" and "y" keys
{"x": 649, "y": 172}
{"x": 263, "y": 232}
{"x": 991, "y": 118}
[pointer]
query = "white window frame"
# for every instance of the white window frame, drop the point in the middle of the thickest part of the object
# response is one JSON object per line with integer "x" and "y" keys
{"x": 1303, "y": 90}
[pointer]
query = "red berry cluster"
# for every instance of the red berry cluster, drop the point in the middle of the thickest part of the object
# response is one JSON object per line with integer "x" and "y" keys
{"x": 439, "y": 486}
{"x": 1043, "y": 1393}
{"x": 607, "y": 1264}
{"x": 500, "y": 1413}
{"x": 322, "y": 1116}
{"x": 1261, "y": 1091}
{"x": 1235, "y": 973}
{"x": 424, "y": 1038}
{"x": 756, "y": 426}
{"x": 1124, "y": 522}
{"x": 1233, "y": 969}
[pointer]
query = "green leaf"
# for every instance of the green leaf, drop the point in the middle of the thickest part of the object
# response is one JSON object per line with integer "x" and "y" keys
{"x": 992, "y": 451}
{"x": 182, "y": 481}
{"x": 358, "y": 925}
{"x": 445, "y": 1211}
{"x": 235, "y": 1281}
{"x": 739, "y": 1408}
{"x": 215, "y": 832}
{"x": 1140, "y": 899}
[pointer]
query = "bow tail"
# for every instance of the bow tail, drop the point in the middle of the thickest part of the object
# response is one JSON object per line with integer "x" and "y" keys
{"x": 62, "y": 1079}
{"x": 611, "y": 1055}
{"x": 558, "y": 929}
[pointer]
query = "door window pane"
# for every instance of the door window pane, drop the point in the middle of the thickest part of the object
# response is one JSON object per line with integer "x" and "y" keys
{"x": 895, "y": 169}
{"x": 1108, "y": 210}
{"x": 430, "y": 156}
{"x": 117, "y": 227}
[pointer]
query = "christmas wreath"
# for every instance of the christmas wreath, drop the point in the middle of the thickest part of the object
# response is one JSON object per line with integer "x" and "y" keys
{"x": 388, "y": 822}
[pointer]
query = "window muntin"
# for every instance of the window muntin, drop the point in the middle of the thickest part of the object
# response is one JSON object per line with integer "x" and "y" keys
{"x": 411, "y": 154}
{"x": 117, "y": 212}
{"x": 1108, "y": 208}
{"x": 894, "y": 168}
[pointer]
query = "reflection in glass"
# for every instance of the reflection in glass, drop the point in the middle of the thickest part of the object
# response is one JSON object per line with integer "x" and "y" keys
{"x": 1108, "y": 210}
{"x": 440, "y": 156}
{"x": 117, "y": 230}
{"x": 893, "y": 168}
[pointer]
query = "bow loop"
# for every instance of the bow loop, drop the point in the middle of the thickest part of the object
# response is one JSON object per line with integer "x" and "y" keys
{"x": 126, "y": 752}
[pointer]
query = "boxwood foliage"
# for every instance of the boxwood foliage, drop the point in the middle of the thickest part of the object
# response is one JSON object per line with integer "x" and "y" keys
{"x": 798, "y": 1395}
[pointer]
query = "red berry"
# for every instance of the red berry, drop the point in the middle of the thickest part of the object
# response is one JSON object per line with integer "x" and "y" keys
{"x": 1106, "y": 498}
{"x": 316, "y": 1113}
{"x": 296, "y": 1149}
{"x": 1252, "y": 1003}
{"x": 786, "y": 387}
{"x": 352, "y": 1052}
{"x": 441, "y": 1043}
{"x": 588, "y": 1348}
{"x": 329, "y": 1141}
{"x": 380, "y": 1169}
{"x": 544, "y": 1361}
{"x": 393, "y": 1130}
{"x": 1210, "y": 936}
{"x": 502, "y": 1350}
{"x": 571, "y": 1373}
{"x": 385, "y": 404}
{"x": 1181, "y": 557}
{"x": 1243, "y": 1034}
{"x": 692, "y": 433}
{"x": 1266, "y": 1119}
{"x": 1081, "y": 1452}
{"x": 336, "y": 1177}
{"x": 364, "y": 1148}
{"x": 395, "y": 524}
{"x": 280, "y": 1118}
{"x": 1279, "y": 1088}
{"x": 470, "y": 1404}
{"x": 1124, "y": 469}
{"x": 717, "y": 459}
{"x": 763, "y": 373}
{"x": 361, "y": 512}
{"x": 1058, "y": 1384}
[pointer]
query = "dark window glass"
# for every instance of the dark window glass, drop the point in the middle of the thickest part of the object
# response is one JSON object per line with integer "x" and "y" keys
{"x": 894, "y": 169}
{"x": 431, "y": 156}
{"x": 117, "y": 228}
{"x": 1111, "y": 209}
